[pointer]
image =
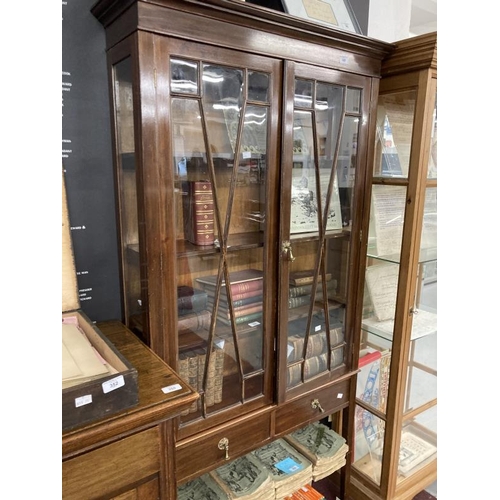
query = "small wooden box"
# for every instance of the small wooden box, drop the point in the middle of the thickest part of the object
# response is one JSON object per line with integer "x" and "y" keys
{"x": 96, "y": 399}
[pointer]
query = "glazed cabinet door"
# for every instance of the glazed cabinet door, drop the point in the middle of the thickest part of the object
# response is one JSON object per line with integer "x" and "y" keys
{"x": 326, "y": 115}
{"x": 223, "y": 121}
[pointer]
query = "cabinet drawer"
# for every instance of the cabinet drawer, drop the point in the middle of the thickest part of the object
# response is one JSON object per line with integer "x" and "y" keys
{"x": 331, "y": 399}
{"x": 200, "y": 454}
{"x": 112, "y": 468}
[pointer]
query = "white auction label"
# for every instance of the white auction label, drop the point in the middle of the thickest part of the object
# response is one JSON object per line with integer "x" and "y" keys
{"x": 114, "y": 383}
{"x": 171, "y": 388}
{"x": 339, "y": 395}
{"x": 83, "y": 400}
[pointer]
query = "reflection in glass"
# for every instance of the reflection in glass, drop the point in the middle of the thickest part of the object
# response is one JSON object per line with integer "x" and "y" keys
{"x": 129, "y": 216}
{"x": 258, "y": 86}
{"x": 303, "y": 93}
{"x": 353, "y": 100}
{"x": 184, "y": 76}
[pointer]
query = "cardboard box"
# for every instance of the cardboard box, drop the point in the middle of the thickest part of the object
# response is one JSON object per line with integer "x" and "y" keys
{"x": 111, "y": 393}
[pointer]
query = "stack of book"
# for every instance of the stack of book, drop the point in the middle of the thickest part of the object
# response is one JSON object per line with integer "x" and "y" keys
{"x": 192, "y": 370}
{"x": 322, "y": 446}
{"x": 198, "y": 208}
{"x": 316, "y": 355}
{"x": 246, "y": 290}
{"x": 299, "y": 292}
{"x": 192, "y": 310}
{"x": 245, "y": 478}
{"x": 289, "y": 469}
{"x": 201, "y": 488}
{"x": 307, "y": 492}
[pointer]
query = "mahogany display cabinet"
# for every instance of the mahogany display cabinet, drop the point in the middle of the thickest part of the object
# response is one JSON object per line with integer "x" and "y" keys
{"x": 243, "y": 142}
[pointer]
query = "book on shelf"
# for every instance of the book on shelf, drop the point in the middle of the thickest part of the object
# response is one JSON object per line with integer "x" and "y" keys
{"x": 203, "y": 487}
{"x": 306, "y": 492}
{"x": 198, "y": 207}
{"x": 247, "y": 318}
{"x": 224, "y": 312}
{"x": 312, "y": 367}
{"x": 183, "y": 370}
{"x": 245, "y": 478}
{"x": 322, "y": 446}
{"x": 237, "y": 297}
{"x": 300, "y": 290}
{"x": 195, "y": 321}
{"x": 316, "y": 345}
{"x": 306, "y": 277}
{"x": 219, "y": 371}
{"x": 190, "y": 300}
{"x": 192, "y": 376}
{"x": 253, "y": 299}
{"x": 242, "y": 281}
{"x": 289, "y": 469}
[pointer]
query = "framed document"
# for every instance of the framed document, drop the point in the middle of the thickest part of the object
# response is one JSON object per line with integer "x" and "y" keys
{"x": 332, "y": 13}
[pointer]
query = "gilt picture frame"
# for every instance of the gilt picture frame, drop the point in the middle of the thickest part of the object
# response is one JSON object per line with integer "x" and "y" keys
{"x": 331, "y": 13}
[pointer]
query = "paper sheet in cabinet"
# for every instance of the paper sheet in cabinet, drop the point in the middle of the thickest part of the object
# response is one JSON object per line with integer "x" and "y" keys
{"x": 79, "y": 359}
{"x": 382, "y": 284}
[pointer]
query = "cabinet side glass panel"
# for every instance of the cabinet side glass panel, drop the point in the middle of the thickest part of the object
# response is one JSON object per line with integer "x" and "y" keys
{"x": 421, "y": 388}
{"x": 323, "y": 174}
{"x": 395, "y": 114}
{"x": 432, "y": 168}
{"x": 129, "y": 219}
{"x": 220, "y": 145}
{"x": 369, "y": 438}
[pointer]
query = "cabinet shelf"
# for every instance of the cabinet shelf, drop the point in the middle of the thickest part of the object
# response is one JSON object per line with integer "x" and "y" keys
{"x": 426, "y": 255}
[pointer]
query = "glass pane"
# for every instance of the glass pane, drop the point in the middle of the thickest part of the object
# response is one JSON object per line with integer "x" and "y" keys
{"x": 418, "y": 444}
{"x": 369, "y": 443}
{"x": 320, "y": 208}
{"x": 303, "y": 93}
{"x": 346, "y": 167}
{"x": 432, "y": 169}
{"x": 258, "y": 86}
{"x": 353, "y": 101}
{"x": 428, "y": 243}
{"x": 394, "y": 132}
{"x": 129, "y": 217}
{"x": 220, "y": 217}
{"x": 223, "y": 93}
{"x": 387, "y": 214}
{"x": 184, "y": 76}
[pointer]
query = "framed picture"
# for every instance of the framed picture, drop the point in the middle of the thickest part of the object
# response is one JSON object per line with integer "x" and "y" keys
{"x": 331, "y": 13}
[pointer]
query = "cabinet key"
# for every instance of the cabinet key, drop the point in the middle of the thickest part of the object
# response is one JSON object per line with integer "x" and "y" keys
{"x": 316, "y": 404}
{"x": 224, "y": 445}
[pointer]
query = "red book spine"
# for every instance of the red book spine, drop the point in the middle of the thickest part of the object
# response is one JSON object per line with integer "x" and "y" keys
{"x": 199, "y": 213}
{"x": 246, "y": 286}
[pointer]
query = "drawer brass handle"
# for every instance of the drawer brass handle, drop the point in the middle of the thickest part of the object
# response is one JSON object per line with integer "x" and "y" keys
{"x": 316, "y": 404}
{"x": 224, "y": 445}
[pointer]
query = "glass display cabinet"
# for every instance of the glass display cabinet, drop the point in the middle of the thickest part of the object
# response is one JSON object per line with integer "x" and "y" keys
{"x": 242, "y": 142}
{"x": 395, "y": 444}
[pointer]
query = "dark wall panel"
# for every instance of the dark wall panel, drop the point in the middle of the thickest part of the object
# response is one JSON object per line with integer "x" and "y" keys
{"x": 87, "y": 161}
